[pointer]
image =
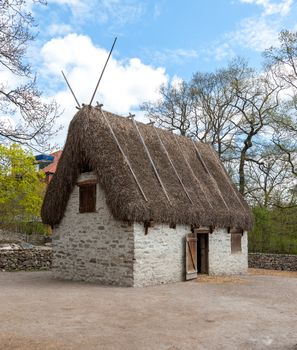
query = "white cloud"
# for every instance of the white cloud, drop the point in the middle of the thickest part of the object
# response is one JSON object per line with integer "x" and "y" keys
{"x": 125, "y": 84}
{"x": 177, "y": 56}
{"x": 117, "y": 12}
{"x": 222, "y": 51}
{"x": 157, "y": 10}
{"x": 271, "y": 8}
{"x": 59, "y": 29}
{"x": 254, "y": 33}
{"x": 176, "y": 81}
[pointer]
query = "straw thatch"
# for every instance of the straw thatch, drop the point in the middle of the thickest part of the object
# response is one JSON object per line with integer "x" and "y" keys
{"x": 205, "y": 195}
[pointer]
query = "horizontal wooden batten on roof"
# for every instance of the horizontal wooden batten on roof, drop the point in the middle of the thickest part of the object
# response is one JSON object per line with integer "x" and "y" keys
{"x": 203, "y": 230}
{"x": 235, "y": 230}
{"x": 89, "y": 178}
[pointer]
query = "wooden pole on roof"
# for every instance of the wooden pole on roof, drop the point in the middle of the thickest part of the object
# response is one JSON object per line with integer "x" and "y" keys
{"x": 131, "y": 116}
{"x": 227, "y": 178}
{"x": 192, "y": 171}
{"x": 101, "y": 75}
{"x": 171, "y": 163}
{"x": 122, "y": 151}
{"x": 73, "y": 94}
{"x": 199, "y": 156}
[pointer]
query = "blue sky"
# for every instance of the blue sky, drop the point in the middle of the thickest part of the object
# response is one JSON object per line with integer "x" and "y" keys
{"x": 158, "y": 41}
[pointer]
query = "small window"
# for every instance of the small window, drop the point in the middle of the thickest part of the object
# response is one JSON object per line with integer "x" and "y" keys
{"x": 87, "y": 198}
{"x": 236, "y": 242}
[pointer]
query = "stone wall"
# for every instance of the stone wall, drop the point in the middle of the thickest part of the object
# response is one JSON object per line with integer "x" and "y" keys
{"x": 97, "y": 248}
{"x": 93, "y": 246}
{"x": 221, "y": 260}
{"x": 273, "y": 261}
{"x": 159, "y": 256}
{"x": 26, "y": 259}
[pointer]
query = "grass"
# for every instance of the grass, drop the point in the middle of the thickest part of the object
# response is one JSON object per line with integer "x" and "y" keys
{"x": 27, "y": 228}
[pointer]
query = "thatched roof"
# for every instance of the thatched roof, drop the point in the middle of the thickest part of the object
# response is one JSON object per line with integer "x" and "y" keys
{"x": 196, "y": 189}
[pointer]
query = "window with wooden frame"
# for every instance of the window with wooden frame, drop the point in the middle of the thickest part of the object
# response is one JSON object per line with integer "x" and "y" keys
{"x": 236, "y": 242}
{"x": 87, "y": 198}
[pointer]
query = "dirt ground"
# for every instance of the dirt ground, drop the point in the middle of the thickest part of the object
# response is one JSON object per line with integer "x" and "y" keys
{"x": 258, "y": 311}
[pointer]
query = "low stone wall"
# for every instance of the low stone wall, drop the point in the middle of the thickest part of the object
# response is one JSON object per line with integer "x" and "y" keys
{"x": 273, "y": 261}
{"x": 38, "y": 258}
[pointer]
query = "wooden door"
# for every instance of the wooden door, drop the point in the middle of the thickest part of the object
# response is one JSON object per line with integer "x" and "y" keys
{"x": 191, "y": 256}
{"x": 202, "y": 247}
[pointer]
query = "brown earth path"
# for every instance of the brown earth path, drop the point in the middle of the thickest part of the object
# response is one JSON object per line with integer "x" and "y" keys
{"x": 258, "y": 311}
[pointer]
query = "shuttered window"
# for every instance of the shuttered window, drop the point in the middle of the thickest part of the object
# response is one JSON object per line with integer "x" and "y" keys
{"x": 236, "y": 242}
{"x": 87, "y": 198}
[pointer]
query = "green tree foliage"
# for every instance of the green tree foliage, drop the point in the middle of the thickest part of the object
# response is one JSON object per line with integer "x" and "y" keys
{"x": 21, "y": 186}
{"x": 274, "y": 231}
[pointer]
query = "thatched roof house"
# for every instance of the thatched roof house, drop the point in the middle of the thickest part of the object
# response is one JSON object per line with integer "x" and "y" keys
{"x": 205, "y": 196}
{"x": 145, "y": 174}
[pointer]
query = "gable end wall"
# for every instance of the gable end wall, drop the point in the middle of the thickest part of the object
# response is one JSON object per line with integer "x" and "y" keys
{"x": 93, "y": 247}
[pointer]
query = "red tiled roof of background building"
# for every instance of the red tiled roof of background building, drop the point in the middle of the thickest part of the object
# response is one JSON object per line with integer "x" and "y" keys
{"x": 51, "y": 168}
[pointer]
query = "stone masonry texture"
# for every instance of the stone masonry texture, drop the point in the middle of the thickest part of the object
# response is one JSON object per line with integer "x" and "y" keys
{"x": 159, "y": 256}
{"x": 95, "y": 247}
{"x": 221, "y": 260}
{"x": 273, "y": 261}
{"x": 26, "y": 259}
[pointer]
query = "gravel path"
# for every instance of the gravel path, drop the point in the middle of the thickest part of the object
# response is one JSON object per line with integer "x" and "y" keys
{"x": 251, "y": 312}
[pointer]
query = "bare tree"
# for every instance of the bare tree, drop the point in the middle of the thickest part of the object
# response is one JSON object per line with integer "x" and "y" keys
{"x": 230, "y": 109}
{"x": 174, "y": 109}
{"x": 282, "y": 61}
{"x": 215, "y": 115}
{"x": 32, "y": 118}
{"x": 257, "y": 101}
{"x": 268, "y": 180}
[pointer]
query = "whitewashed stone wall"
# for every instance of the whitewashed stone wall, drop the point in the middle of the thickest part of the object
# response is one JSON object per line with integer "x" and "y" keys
{"x": 221, "y": 260}
{"x": 93, "y": 246}
{"x": 159, "y": 256}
